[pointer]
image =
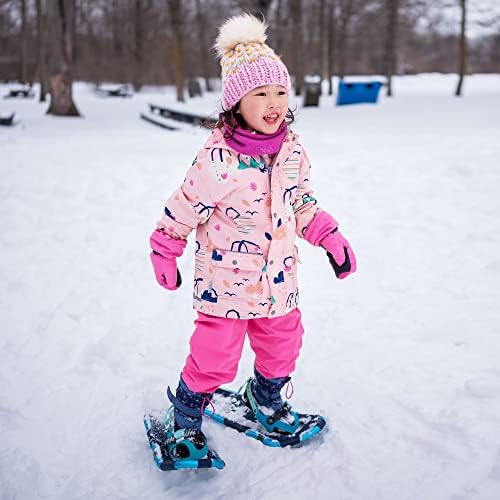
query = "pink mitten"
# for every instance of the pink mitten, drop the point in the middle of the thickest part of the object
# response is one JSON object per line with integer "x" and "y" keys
{"x": 165, "y": 251}
{"x": 340, "y": 254}
{"x": 323, "y": 230}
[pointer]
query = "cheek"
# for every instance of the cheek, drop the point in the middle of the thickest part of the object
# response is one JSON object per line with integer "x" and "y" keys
{"x": 252, "y": 114}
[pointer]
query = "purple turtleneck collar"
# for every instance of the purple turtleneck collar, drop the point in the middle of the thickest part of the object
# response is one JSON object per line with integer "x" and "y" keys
{"x": 248, "y": 143}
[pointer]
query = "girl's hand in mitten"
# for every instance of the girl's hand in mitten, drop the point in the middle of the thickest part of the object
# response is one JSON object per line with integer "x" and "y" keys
{"x": 323, "y": 231}
{"x": 340, "y": 254}
{"x": 163, "y": 257}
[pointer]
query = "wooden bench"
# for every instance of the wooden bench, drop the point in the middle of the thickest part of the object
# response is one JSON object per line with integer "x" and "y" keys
{"x": 182, "y": 116}
{"x": 160, "y": 121}
{"x": 167, "y": 118}
{"x": 24, "y": 93}
{"x": 121, "y": 91}
{"x": 7, "y": 120}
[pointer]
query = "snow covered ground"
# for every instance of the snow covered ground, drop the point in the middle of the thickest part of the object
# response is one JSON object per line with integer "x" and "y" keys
{"x": 403, "y": 358}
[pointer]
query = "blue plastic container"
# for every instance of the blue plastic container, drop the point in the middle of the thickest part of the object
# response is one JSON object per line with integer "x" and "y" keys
{"x": 357, "y": 92}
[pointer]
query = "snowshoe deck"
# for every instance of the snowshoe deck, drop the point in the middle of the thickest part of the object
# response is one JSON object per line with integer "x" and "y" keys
{"x": 231, "y": 411}
{"x": 157, "y": 435}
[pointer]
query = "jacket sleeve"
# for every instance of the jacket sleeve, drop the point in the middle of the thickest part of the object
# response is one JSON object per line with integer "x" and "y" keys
{"x": 305, "y": 205}
{"x": 193, "y": 202}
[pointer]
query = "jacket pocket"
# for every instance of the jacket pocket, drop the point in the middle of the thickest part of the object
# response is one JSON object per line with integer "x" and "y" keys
{"x": 237, "y": 275}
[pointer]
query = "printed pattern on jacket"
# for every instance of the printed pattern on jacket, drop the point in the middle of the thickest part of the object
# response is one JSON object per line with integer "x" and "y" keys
{"x": 247, "y": 212}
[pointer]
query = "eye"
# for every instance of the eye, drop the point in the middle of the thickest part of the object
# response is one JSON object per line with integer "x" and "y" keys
{"x": 260, "y": 93}
{"x": 282, "y": 92}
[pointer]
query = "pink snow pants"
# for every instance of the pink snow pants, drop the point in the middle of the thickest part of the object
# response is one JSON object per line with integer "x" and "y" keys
{"x": 217, "y": 343}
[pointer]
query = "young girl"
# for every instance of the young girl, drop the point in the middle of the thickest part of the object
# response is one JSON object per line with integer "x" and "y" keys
{"x": 248, "y": 195}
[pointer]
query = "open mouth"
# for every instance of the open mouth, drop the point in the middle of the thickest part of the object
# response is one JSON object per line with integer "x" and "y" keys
{"x": 272, "y": 118}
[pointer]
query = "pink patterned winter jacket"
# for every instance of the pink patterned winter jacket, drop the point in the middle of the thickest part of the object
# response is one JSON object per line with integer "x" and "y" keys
{"x": 247, "y": 212}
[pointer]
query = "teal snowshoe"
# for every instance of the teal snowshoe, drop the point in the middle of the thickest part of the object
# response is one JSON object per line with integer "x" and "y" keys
{"x": 241, "y": 411}
{"x": 175, "y": 448}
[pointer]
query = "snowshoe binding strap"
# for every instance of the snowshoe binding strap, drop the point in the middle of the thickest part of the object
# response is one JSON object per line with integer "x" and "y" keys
{"x": 184, "y": 444}
{"x": 187, "y": 444}
{"x": 191, "y": 412}
{"x": 274, "y": 422}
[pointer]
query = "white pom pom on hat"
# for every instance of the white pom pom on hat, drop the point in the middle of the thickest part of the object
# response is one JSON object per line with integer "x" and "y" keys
{"x": 239, "y": 29}
{"x": 246, "y": 61}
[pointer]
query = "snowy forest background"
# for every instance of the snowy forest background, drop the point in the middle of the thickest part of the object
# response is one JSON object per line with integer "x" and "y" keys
{"x": 157, "y": 42}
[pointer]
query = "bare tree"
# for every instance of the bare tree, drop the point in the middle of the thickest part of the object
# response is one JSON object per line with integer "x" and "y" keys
{"x": 279, "y": 28}
{"x": 175, "y": 14}
{"x": 41, "y": 31}
{"x": 200, "y": 20}
{"x": 61, "y": 16}
{"x": 345, "y": 18}
{"x": 462, "y": 48}
{"x": 137, "y": 49}
{"x": 116, "y": 26}
{"x": 24, "y": 43}
{"x": 322, "y": 31}
{"x": 96, "y": 59}
{"x": 139, "y": 44}
{"x": 297, "y": 60}
{"x": 331, "y": 44}
{"x": 390, "y": 55}
{"x": 258, "y": 8}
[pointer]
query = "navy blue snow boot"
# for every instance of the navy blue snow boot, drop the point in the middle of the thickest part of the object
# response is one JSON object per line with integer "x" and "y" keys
{"x": 183, "y": 421}
{"x": 263, "y": 396}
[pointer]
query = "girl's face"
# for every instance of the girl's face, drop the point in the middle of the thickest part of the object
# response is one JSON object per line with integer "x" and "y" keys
{"x": 264, "y": 108}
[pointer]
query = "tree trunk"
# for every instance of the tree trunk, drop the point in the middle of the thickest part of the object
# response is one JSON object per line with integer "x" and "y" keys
{"x": 331, "y": 44}
{"x": 61, "y": 14}
{"x": 24, "y": 44}
{"x": 257, "y": 8}
{"x": 392, "y": 10}
{"x": 297, "y": 60}
{"x": 117, "y": 23}
{"x": 200, "y": 19}
{"x": 178, "y": 69}
{"x": 138, "y": 46}
{"x": 92, "y": 42}
{"x": 462, "y": 49}
{"x": 278, "y": 29}
{"x": 322, "y": 28}
{"x": 41, "y": 23}
{"x": 176, "y": 20}
{"x": 345, "y": 19}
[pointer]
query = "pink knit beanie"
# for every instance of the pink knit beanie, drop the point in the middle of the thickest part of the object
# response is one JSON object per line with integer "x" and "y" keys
{"x": 247, "y": 62}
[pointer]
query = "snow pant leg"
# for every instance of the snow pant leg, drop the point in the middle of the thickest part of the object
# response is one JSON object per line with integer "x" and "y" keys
{"x": 276, "y": 343}
{"x": 216, "y": 347}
